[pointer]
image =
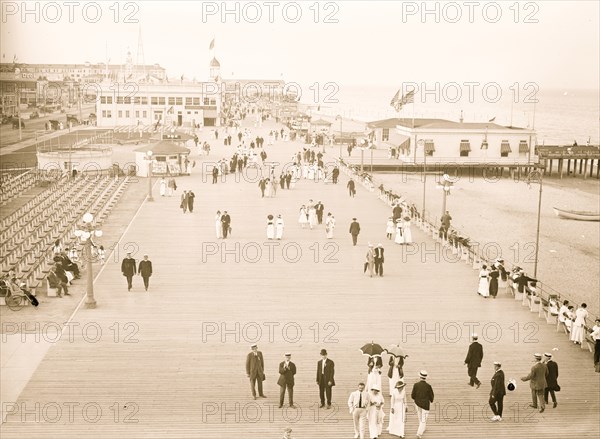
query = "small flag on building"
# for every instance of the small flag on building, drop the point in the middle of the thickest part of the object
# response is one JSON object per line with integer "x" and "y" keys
{"x": 212, "y": 45}
{"x": 492, "y": 119}
{"x": 171, "y": 110}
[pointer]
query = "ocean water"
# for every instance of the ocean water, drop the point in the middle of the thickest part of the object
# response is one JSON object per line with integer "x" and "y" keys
{"x": 560, "y": 117}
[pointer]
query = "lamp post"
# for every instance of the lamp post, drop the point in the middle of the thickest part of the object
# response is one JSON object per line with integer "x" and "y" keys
{"x": 421, "y": 144}
{"x": 339, "y": 116}
{"x": 85, "y": 234}
{"x": 149, "y": 159}
{"x": 445, "y": 185}
{"x": 535, "y": 176}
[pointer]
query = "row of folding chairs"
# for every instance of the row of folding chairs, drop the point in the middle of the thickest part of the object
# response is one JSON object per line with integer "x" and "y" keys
{"x": 11, "y": 186}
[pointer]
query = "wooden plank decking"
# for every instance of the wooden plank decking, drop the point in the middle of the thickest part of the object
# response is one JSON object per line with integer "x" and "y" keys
{"x": 170, "y": 363}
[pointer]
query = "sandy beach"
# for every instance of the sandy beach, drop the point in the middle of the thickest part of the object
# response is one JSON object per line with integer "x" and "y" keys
{"x": 502, "y": 216}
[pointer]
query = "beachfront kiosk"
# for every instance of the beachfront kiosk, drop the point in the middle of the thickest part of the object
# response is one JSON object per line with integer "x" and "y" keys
{"x": 168, "y": 158}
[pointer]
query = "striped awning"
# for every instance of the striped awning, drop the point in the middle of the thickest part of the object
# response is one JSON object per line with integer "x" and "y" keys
{"x": 429, "y": 146}
{"x": 505, "y": 147}
{"x": 465, "y": 146}
{"x": 523, "y": 146}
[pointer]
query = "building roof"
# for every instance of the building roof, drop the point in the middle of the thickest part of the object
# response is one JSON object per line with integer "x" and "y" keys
{"x": 320, "y": 122}
{"x": 437, "y": 124}
{"x": 164, "y": 147}
{"x": 215, "y": 63}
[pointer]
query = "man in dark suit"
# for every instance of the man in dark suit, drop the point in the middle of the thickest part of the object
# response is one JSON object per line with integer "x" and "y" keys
{"x": 225, "y": 223}
{"x": 396, "y": 213}
{"x": 128, "y": 269}
{"x": 378, "y": 259}
{"x": 351, "y": 188}
{"x": 320, "y": 208}
{"x": 215, "y": 174}
{"x": 288, "y": 180}
{"x": 325, "y": 378}
{"x": 145, "y": 270}
{"x": 551, "y": 379}
{"x": 473, "y": 361}
{"x": 354, "y": 230}
{"x": 537, "y": 382}
{"x": 422, "y": 394}
{"x": 287, "y": 370}
{"x": 335, "y": 174}
{"x": 497, "y": 393}
{"x": 255, "y": 369}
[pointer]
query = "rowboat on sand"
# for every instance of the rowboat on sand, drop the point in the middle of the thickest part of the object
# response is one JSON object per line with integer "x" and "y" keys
{"x": 579, "y": 215}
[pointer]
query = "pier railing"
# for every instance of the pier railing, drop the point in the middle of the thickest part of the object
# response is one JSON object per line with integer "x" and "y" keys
{"x": 541, "y": 298}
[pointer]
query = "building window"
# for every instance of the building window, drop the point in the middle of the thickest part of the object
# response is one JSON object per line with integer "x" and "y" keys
{"x": 189, "y": 112}
{"x": 505, "y": 148}
{"x": 213, "y": 102}
{"x": 136, "y": 100}
{"x": 385, "y": 135}
{"x": 154, "y": 100}
{"x": 161, "y": 101}
{"x": 126, "y": 113}
{"x": 429, "y": 148}
{"x": 120, "y": 113}
{"x": 144, "y": 114}
{"x": 119, "y": 100}
{"x": 178, "y": 101}
{"x": 144, "y": 100}
{"x": 196, "y": 101}
{"x": 206, "y": 101}
{"x": 137, "y": 114}
{"x": 127, "y": 100}
{"x": 171, "y": 101}
{"x": 106, "y": 113}
{"x": 158, "y": 115}
{"x": 103, "y": 99}
{"x": 109, "y": 99}
{"x": 523, "y": 146}
{"x": 188, "y": 101}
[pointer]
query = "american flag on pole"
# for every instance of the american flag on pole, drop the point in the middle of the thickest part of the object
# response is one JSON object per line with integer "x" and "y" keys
{"x": 399, "y": 102}
{"x": 212, "y": 45}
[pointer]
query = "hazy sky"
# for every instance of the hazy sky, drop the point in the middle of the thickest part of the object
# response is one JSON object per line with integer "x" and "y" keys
{"x": 373, "y": 43}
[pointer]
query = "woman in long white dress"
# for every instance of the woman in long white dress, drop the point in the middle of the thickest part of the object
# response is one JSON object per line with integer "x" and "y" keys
{"x": 312, "y": 216}
{"x": 399, "y": 239}
{"x": 398, "y": 409}
{"x": 374, "y": 378}
{"x": 396, "y": 369}
{"x": 406, "y": 231}
{"x": 279, "y": 225}
{"x": 303, "y": 219}
{"x": 163, "y": 187}
{"x": 218, "y": 225}
{"x": 484, "y": 285}
{"x": 578, "y": 331}
{"x": 390, "y": 228}
{"x": 329, "y": 225}
{"x": 270, "y": 227}
{"x": 375, "y": 412}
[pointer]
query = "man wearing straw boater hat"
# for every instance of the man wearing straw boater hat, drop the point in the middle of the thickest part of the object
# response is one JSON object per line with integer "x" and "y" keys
{"x": 537, "y": 382}
{"x": 287, "y": 370}
{"x": 497, "y": 393}
{"x": 422, "y": 394}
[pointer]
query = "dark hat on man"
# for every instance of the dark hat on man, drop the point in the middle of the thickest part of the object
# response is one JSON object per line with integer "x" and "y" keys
{"x": 353, "y": 219}
{"x": 323, "y": 352}
{"x": 287, "y": 354}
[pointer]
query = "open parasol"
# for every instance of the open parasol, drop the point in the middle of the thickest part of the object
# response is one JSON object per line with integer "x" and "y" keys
{"x": 396, "y": 351}
{"x": 372, "y": 349}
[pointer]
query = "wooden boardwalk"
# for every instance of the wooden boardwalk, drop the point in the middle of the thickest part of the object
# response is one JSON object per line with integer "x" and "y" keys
{"x": 170, "y": 363}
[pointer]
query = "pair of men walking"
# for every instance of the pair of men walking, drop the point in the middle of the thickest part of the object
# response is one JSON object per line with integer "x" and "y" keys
{"x": 287, "y": 371}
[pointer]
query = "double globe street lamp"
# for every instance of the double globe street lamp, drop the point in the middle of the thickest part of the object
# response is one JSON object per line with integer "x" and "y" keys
{"x": 85, "y": 233}
{"x": 446, "y": 185}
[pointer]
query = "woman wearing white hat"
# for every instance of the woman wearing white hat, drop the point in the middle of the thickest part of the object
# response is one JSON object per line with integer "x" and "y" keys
{"x": 398, "y": 410}
{"x": 375, "y": 412}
